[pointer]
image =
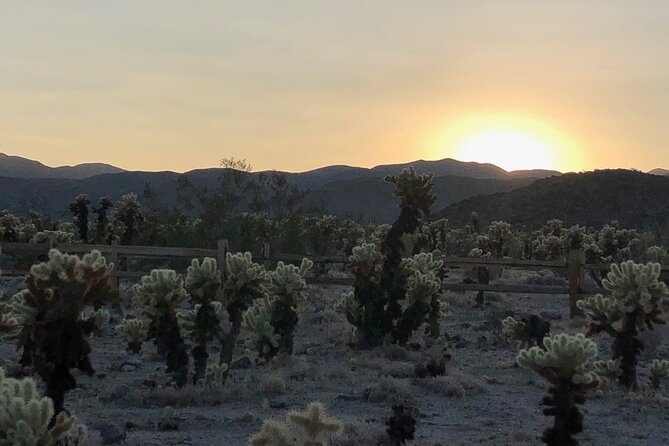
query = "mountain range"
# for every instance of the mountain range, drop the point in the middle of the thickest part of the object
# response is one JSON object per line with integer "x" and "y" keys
{"x": 524, "y": 198}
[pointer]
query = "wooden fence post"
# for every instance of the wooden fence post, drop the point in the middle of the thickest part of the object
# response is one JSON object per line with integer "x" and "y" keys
{"x": 576, "y": 260}
{"x": 113, "y": 258}
{"x": 266, "y": 253}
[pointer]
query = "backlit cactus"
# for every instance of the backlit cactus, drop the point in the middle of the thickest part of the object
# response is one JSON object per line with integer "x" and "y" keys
{"x": 659, "y": 370}
{"x": 52, "y": 334}
{"x": 526, "y": 332}
{"x": 258, "y": 319}
{"x": 564, "y": 364}
{"x": 26, "y": 419}
{"x": 135, "y": 332}
{"x": 635, "y": 305}
{"x": 159, "y": 296}
{"x": 311, "y": 427}
{"x": 203, "y": 283}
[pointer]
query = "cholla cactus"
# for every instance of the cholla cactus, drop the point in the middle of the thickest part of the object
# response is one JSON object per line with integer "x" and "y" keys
{"x": 203, "y": 282}
{"x": 216, "y": 375}
{"x": 311, "y": 427}
{"x": 608, "y": 372}
{"x": 258, "y": 319}
{"x": 26, "y": 419}
{"x": 135, "y": 332}
{"x": 526, "y": 332}
{"x": 499, "y": 234}
{"x": 635, "y": 305}
{"x": 160, "y": 295}
{"x": 245, "y": 282}
{"x": 366, "y": 261}
{"x": 659, "y": 370}
{"x": 287, "y": 284}
{"x": 53, "y": 237}
{"x": 9, "y": 327}
{"x": 100, "y": 318}
{"x": 130, "y": 214}
{"x": 564, "y": 364}
{"x": 52, "y": 334}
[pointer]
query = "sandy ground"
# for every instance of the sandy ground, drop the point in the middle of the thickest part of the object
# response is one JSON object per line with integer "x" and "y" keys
{"x": 483, "y": 399}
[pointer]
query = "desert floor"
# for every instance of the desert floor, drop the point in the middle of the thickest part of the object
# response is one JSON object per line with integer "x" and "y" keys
{"x": 483, "y": 399}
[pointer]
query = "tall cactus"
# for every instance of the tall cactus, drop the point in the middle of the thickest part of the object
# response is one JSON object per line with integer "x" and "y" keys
{"x": 203, "y": 282}
{"x": 635, "y": 305}
{"x": 159, "y": 295}
{"x": 52, "y": 334}
{"x": 563, "y": 364}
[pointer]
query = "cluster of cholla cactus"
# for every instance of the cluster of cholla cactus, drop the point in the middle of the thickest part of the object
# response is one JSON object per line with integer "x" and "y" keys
{"x": 311, "y": 427}
{"x": 46, "y": 317}
{"x": 379, "y": 304}
{"x": 245, "y": 283}
{"x": 526, "y": 332}
{"x": 202, "y": 322}
{"x": 159, "y": 296}
{"x": 273, "y": 318}
{"x": 563, "y": 362}
{"x": 422, "y": 280}
{"x": 28, "y": 419}
{"x": 635, "y": 305}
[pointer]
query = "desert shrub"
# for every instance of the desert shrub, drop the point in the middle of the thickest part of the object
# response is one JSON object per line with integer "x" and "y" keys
{"x": 401, "y": 426}
{"x": 659, "y": 370}
{"x": 635, "y": 305}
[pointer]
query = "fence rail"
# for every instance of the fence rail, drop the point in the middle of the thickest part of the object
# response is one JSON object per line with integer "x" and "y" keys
{"x": 574, "y": 268}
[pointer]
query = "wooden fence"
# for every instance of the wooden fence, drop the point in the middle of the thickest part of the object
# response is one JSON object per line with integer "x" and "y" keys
{"x": 574, "y": 268}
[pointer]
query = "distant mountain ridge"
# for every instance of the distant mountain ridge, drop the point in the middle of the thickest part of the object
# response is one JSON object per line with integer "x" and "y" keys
{"x": 19, "y": 167}
{"x": 663, "y": 172}
{"x": 636, "y": 199}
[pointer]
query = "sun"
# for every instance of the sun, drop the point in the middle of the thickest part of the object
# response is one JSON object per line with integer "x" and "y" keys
{"x": 512, "y": 142}
{"x": 508, "y": 149}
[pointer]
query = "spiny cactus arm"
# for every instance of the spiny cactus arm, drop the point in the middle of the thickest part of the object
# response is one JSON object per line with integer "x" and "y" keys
{"x": 258, "y": 320}
{"x": 25, "y": 417}
{"x": 315, "y": 422}
{"x": 423, "y": 287}
{"x": 603, "y": 313}
{"x": 638, "y": 288}
{"x": 513, "y": 330}
{"x": 608, "y": 372}
{"x": 353, "y": 311}
{"x": 366, "y": 261}
{"x": 134, "y": 330}
{"x": 203, "y": 280}
{"x": 565, "y": 357}
{"x": 162, "y": 288}
{"x": 245, "y": 280}
{"x": 273, "y": 433}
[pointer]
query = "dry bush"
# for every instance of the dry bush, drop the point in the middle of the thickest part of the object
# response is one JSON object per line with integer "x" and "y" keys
{"x": 455, "y": 384}
{"x": 392, "y": 391}
{"x": 188, "y": 396}
{"x": 274, "y": 384}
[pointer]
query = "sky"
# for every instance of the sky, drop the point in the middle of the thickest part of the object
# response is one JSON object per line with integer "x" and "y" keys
{"x": 294, "y": 85}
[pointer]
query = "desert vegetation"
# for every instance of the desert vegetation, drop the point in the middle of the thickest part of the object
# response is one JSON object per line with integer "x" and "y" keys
{"x": 244, "y": 350}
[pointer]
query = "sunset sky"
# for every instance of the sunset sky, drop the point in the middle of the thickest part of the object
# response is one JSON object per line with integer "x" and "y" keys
{"x": 294, "y": 85}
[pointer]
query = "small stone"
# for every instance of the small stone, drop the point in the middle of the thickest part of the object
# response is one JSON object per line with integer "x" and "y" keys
{"x": 246, "y": 418}
{"x": 376, "y": 396}
{"x": 278, "y": 404}
{"x": 128, "y": 368}
{"x": 168, "y": 424}
{"x": 345, "y": 397}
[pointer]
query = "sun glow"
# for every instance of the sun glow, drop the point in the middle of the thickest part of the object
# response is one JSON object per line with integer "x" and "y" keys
{"x": 508, "y": 149}
{"x": 510, "y": 143}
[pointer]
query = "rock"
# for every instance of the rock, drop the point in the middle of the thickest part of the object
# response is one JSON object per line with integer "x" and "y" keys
{"x": 119, "y": 392}
{"x": 376, "y": 396}
{"x": 128, "y": 368}
{"x": 345, "y": 397}
{"x": 278, "y": 404}
{"x": 110, "y": 433}
{"x": 168, "y": 424}
{"x": 246, "y": 418}
{"x": 461, "y": 344}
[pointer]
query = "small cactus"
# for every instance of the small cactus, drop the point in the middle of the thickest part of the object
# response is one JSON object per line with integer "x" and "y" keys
{"x": 135, "y": 332}
{"x": 401, "y": 425}
{"x": 659, "y": 370}
{"x": 526, "y": 332}
{"x": 311, "y": 427}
